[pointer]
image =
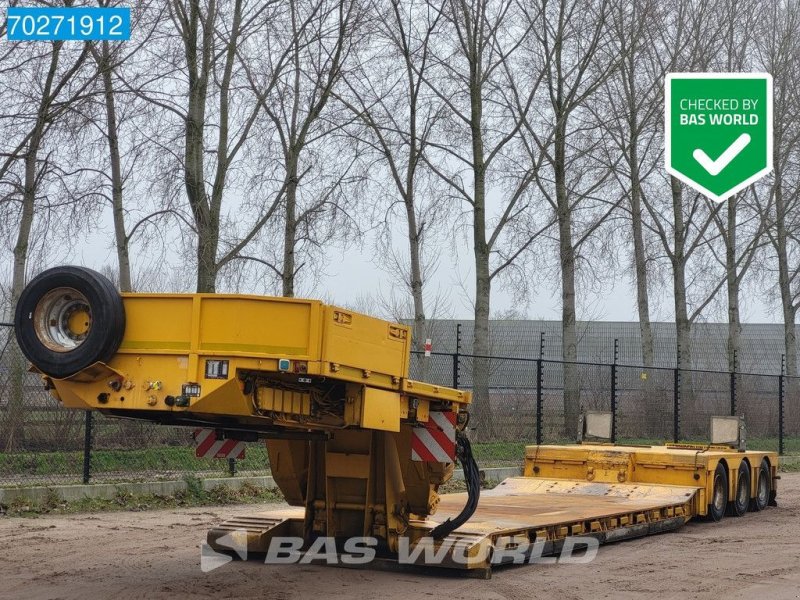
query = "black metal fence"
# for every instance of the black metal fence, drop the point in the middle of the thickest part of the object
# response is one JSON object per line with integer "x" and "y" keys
{"x": 42, "y": 443}
{"x": 648, "y": 404}
{"x": 526, "y": 401}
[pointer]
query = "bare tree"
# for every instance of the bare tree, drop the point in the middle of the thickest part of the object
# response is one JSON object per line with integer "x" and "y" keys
{"x": 777, "y": 52}
{"x": 109, "y": 57}
{"x": 637, "y": 130}
{"x": 48, "y": 84}
{"x": 575, "y": 37}
{"x": 104, "y": 63}
{"x": 397, "y": 117}
{"x": 742, "y": 232}
{"x": 195, "y": 75}
{"x": 688, "y": 40}
{"x": 487, "y": 90}
{"x": 632, "y": 111}
{"x": 322, "y": 34}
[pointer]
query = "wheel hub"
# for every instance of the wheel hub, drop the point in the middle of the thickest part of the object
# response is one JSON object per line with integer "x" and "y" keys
{"x": 762, "y": 489}
{"x": 62, "y": 319}
{"x": 719, "y": 496}
{"x": 744, "y": 493}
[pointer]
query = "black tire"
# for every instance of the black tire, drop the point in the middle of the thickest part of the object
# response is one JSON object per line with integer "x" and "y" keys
{"x": 719, "y": 494}
{"x": 741, "y": 501}
{"x": 72, "y": 294}
{"x": 763, "y": 487}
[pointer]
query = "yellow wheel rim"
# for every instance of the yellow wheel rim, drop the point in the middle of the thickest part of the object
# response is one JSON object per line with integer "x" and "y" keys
{"x": 62, "y": 319}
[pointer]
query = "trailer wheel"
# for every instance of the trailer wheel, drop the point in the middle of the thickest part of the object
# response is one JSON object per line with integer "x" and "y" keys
{"x": 763, "y": 486}
{"x": 742, "y": 499}
{"x": 719, "y": 495}
{"x": 68, "y": 318}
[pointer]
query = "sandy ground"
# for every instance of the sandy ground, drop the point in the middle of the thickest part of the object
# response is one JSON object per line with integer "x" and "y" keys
{"x": 156, "y": 555}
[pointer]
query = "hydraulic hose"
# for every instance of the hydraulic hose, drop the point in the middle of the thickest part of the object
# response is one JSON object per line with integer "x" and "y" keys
{"x": 472, "y": 477}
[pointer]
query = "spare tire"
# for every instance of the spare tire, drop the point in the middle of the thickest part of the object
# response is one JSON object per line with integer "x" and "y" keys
{"x": 67, "y": 319}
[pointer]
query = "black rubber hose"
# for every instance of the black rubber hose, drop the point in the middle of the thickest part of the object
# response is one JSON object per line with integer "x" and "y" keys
{"x": 472, "y": 477}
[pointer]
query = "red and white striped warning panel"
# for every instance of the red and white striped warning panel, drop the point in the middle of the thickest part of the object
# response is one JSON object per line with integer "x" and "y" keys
{"x": 208, "y": 446}
{"x": 436, "y": 441}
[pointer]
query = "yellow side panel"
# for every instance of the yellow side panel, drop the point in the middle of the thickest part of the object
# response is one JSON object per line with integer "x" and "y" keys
{"x": 370, "y": 345}
{"x": 431, "y": 391}
{"x": 227, "y": 324}
{"x": 259, "y": 326}
{"x": 157, "y": 322}
{"x": 380, "y": 409}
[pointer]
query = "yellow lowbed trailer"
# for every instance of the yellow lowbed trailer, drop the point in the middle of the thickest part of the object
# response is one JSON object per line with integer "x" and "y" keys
{"x": 355, "y": 445}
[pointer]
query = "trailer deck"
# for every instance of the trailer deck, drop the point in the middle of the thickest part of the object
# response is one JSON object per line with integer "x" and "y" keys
{"x": 603, "y": 491}
{"x": 509, "y": 520}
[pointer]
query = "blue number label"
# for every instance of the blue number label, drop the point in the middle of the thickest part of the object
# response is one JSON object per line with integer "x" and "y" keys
{"x": 81, "y": 23}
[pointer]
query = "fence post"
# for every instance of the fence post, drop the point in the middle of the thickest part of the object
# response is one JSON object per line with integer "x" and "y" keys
{"x": 614, "y": 393}
{"x": 676, "y": 400}
{"x": 232, "y": 467}
{"x": 781, "y": 403}
{"x": 539, "y": 397}
{"x": 539, "y": 401}
{"x": 733, "y": 386}
{"x": 87, "y": 447}
{"x": 455, "y": 355}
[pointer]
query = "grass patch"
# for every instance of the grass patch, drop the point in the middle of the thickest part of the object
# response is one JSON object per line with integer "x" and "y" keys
{"x": 160, "y": 459}
{"x": 490, "y": 454}
{"x": 193, "y": 495}
{"x": 39, "y": 463}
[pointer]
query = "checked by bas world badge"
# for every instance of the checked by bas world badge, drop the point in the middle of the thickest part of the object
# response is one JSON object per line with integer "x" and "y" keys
{"x": 718, "y": 130}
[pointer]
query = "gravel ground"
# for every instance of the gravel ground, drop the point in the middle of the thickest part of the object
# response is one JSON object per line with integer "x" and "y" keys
{"x": 156, "y": 555}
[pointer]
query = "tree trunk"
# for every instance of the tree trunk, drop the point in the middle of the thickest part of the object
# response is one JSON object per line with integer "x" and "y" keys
{"x": 483, "y": 290}
{"x": 780, "y": 243}
{"x": 652, "y": 401}
{"x": 198, "y": 65}
{"x": 640, "y": 258}
{"x": 732, "y": 280}
{"x": 121, "y": 237}
{"x": 483, "y": 282}
{"x": 683, "y": 338}
{"x": 206, "y": 259}
{"x": 416, "y": 272}
{"x": 419, "y": 333}
{"x": 484, "y": 421}
{"x": 682, "y": 328}
{"x": 290, "y": 230}
{"x": 784, "y": 278}
{"x": 15, "y": 439}
{"x": 569, "y": 347}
